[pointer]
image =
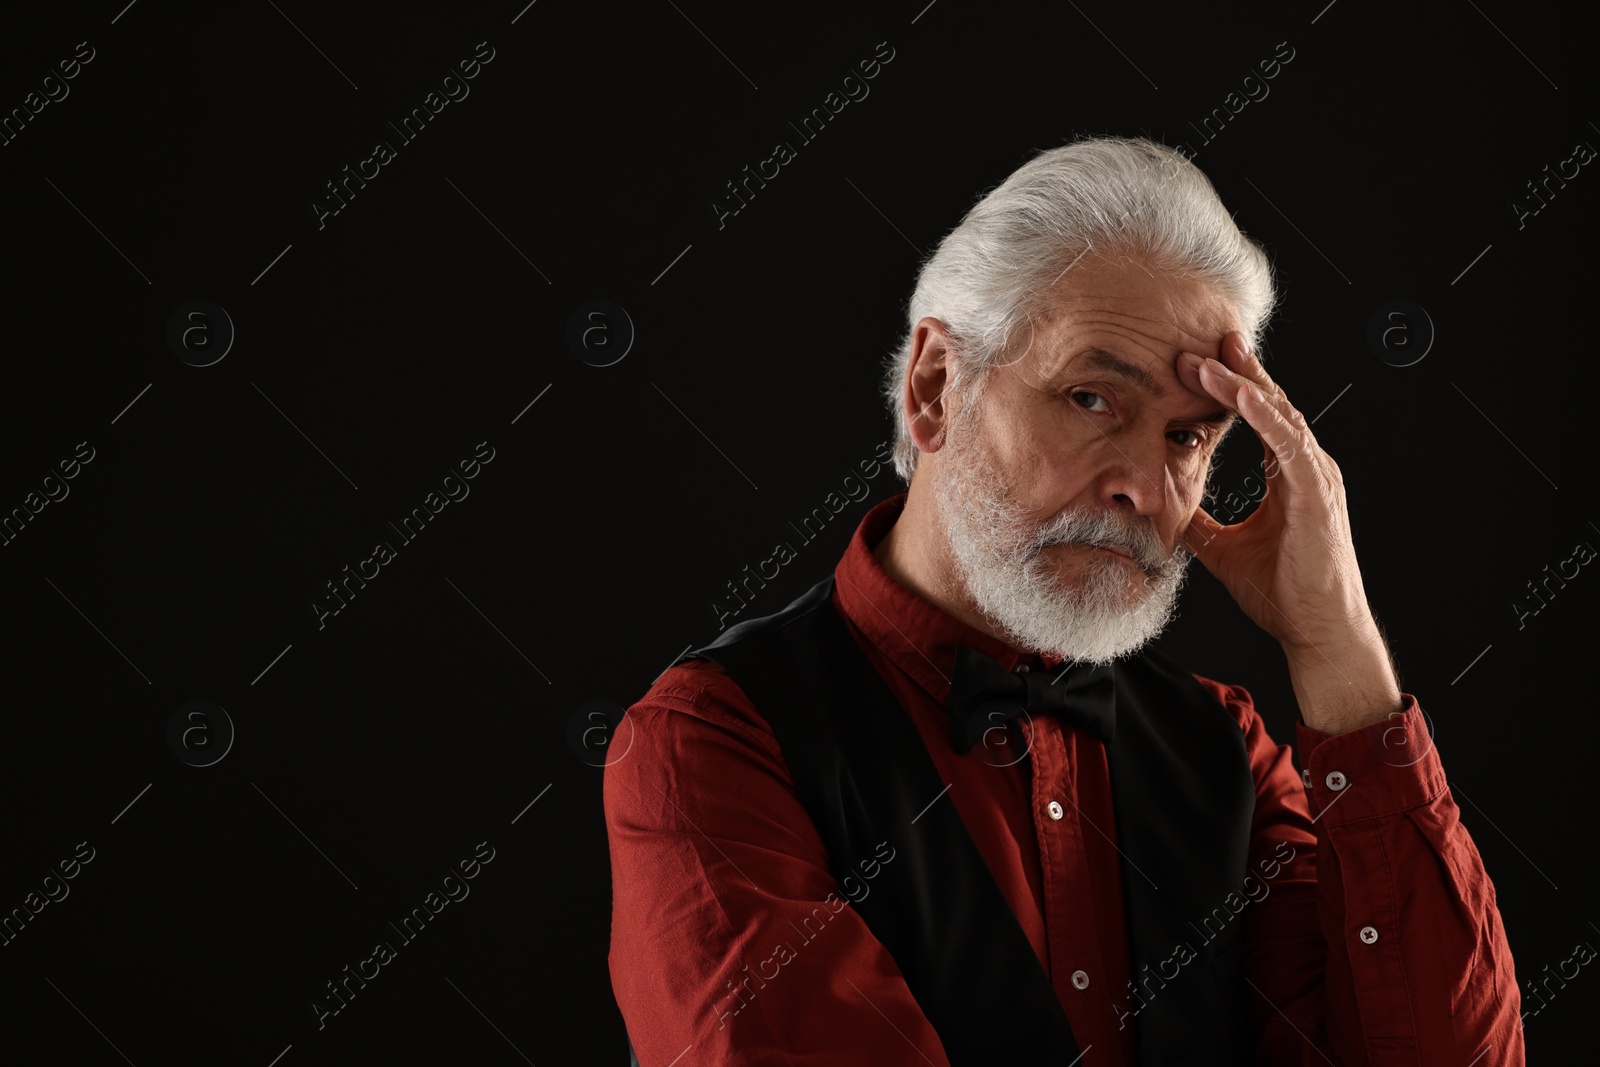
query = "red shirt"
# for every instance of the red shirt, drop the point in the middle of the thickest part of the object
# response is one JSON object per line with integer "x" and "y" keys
{"x": 1371, "y": 932}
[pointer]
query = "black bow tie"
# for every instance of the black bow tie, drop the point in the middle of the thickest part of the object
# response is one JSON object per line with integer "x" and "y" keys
{"x": 984, "y": 694}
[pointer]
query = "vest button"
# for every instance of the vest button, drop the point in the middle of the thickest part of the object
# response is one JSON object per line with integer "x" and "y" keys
{"x": 1369, "y": 934}
{"x": 1021, "y": 668}
{"x": 1336, "y": 780}
{"x": 1055, "y": 810}
{"x": 1080, "y": 980}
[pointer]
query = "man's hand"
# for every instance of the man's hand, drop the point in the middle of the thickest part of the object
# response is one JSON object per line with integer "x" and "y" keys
{"x": 1291, "y": 565}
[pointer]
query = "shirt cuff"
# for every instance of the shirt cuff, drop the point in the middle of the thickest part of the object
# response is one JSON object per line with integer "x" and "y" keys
{"x": 1378, "y": 770}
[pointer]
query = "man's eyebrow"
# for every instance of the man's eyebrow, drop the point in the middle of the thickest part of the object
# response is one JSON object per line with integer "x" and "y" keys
{"x": 1224, "y": 419}
{"x": 1136, "y": 375}
{"x": 1127, "y": 370}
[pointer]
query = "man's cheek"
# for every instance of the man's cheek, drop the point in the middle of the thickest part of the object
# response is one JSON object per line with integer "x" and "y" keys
{"x": 1198, "y": 489}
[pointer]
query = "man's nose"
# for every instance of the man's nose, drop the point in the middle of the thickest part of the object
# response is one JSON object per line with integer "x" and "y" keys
{"x": 1135, "y": 477}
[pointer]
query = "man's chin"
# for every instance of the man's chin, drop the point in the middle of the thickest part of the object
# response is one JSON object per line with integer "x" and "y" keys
{"x": 1070, "y": 600}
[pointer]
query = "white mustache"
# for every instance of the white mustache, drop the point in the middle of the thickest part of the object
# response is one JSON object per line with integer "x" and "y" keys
{"x": 1105, "y": 530}
{"x": 997, "y": 546}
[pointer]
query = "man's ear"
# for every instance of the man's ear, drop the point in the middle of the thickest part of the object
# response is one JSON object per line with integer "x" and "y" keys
{"x": 926, "y": 377}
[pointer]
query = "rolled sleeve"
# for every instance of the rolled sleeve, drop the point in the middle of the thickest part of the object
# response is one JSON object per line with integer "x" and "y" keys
{"x": 1384, "y": 768}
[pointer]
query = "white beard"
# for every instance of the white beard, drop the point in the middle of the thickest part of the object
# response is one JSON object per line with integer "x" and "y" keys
{"x": 1113, "y": 611}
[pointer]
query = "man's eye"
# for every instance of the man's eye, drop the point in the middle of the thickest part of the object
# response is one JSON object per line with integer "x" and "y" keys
{"x": 1076, "y": 393}
{"x": 1195, "y": 440}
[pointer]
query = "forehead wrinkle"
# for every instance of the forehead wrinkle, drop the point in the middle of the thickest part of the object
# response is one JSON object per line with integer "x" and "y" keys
{"x": 1126, "y": 369}
{"x": 1065, "y": 319}
{"x": 1159, "y": 351}
{"x": 1186, "y": 293}
{"x": 1127, "y": 337}
{"x": 1188, "y": 341}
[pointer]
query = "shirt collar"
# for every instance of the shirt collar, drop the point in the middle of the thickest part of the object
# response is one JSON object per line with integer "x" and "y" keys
{"x": 917, "y": 635}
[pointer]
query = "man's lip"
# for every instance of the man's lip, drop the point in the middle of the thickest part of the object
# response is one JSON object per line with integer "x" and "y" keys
{"x": 1123, "y": 552}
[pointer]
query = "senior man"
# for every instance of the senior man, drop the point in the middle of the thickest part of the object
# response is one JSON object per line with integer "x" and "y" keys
{"x": 946, "y": 807}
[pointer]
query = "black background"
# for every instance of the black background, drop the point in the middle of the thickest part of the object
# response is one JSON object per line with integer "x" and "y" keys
{"x": 374, "y": 353}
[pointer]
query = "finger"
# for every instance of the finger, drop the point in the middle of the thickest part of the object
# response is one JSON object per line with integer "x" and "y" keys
{"x": 1220, "y": 383}
{"x": 1234, "y": 357}
{"x": 1289, "y": 446}
{"x": 1238, "y": 357}
{"x": 1188, "y": 368}
{"x": 1235, "y": 354}
{"x": 1284, "y": 440}
{"x": 1233, "y": 349}
{"x": 1205, "y": 382}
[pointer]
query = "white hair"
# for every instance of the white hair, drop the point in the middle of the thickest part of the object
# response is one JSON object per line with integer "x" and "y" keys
{"x": 1111, "y": 195}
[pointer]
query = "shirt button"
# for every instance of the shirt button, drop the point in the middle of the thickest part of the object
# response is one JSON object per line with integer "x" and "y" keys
{"x": 1336, "y": 780}
{"x": 1305, "y": 776}
{"x": 1054, "y": 809}
{"x": 1080, "y": 980}
{"x": 1368, "y": 934}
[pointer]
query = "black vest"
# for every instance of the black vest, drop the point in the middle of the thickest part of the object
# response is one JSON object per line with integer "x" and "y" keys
{"x": 1183, "y": 796}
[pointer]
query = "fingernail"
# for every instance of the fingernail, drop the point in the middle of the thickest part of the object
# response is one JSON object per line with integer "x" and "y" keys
{"x": 1190, "y": 359}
